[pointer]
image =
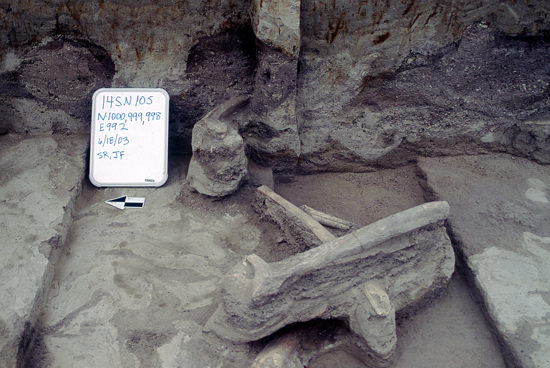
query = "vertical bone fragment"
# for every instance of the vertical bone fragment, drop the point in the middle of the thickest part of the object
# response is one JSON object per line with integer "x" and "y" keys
{"x": 374, "y": 321}
{"x": 219, "y": 162}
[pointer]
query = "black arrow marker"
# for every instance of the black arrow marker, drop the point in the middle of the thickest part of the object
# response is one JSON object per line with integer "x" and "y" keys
{"x": 126, "y": 202}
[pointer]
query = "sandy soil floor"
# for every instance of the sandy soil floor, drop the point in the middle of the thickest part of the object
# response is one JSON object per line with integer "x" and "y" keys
{"x": 146, "y": 258}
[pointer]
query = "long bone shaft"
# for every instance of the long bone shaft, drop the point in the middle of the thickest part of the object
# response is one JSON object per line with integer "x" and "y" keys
{"x": 267, "y": 278}
{"x": 409, "y": 253}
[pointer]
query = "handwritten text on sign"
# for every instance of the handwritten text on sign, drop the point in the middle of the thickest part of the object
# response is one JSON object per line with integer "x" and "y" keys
{"x": 129, "y": 137}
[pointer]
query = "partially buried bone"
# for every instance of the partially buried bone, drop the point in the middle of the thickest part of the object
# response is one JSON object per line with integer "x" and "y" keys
{"x": 328, "y": 220}
{"x": 364, "y": 277}
{"x": 299, "y": 228}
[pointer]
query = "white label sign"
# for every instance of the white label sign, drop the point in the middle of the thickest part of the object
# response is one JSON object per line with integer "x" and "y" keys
{"x": 129, "y": 140}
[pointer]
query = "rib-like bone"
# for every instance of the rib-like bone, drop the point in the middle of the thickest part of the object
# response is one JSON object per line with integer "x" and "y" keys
{"x": 298, "y": 227}
{"x": 328, "y": 220}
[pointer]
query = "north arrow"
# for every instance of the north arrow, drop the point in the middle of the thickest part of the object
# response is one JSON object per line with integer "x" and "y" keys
{"x": 126, "y": 202}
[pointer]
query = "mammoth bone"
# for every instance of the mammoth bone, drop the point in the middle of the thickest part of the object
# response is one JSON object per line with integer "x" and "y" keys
{"x": 365, "y": 278}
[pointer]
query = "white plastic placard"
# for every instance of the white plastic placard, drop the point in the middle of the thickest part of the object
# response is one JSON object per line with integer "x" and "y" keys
{"x": 129, "y": 140}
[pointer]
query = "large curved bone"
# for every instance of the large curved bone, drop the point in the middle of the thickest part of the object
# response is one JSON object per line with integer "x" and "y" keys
{"x": 408, "y": 255}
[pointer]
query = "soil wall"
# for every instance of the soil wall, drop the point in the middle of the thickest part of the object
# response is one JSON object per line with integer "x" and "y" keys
{"x": 335, "y": 85}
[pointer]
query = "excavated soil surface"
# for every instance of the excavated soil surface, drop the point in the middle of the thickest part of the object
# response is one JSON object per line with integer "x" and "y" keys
{"x": 134, "y": 288}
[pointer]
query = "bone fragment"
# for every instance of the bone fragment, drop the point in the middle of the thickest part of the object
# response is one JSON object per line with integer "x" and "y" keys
{"x": 226, "y": 108}
{"x": 299, "y": 228}
{"x": 278, "y": 353}
{"x": 219, "y": 163}
{"x": 328, "y": 220}
{"x": 374, "y": 321}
